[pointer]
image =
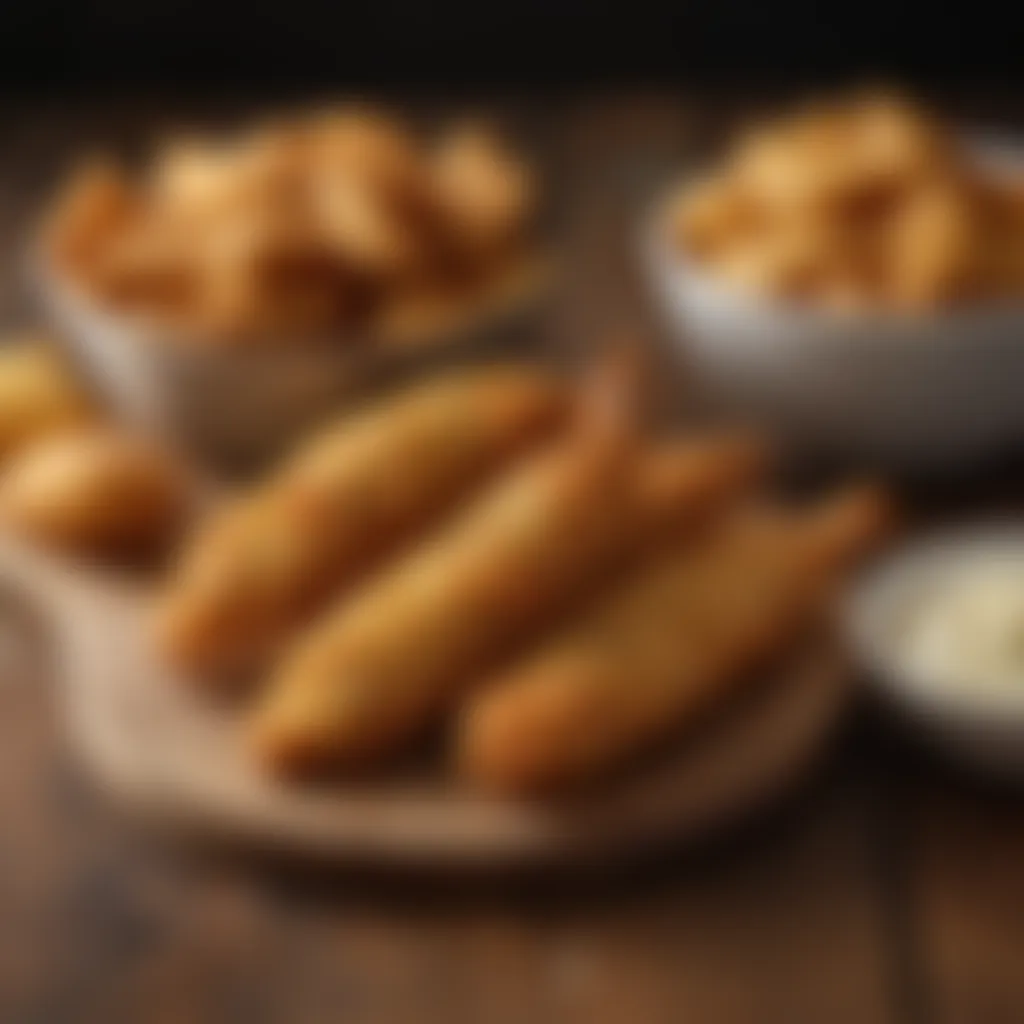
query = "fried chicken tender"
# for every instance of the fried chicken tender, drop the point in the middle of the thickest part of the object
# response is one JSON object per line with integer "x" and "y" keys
{"x": 936, "y": 246}
{"x": 265, "y": 563}
{"x": 647, "y": 658}
{"x": 375, "y": 672}
{"x": 95, "y": 492}
{"x": 38, "y": 395}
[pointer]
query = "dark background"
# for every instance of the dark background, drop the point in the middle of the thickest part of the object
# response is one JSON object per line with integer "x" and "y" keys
{"x": 526, "y": 44}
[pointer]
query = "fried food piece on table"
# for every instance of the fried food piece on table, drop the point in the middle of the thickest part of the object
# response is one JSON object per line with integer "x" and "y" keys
{"x": 375, "y": 672}
{"x": 652, "y": 654}
{"x": 95, "y": 492}
{"x": 264, "y": 563}
{"x": 38, "y": 395}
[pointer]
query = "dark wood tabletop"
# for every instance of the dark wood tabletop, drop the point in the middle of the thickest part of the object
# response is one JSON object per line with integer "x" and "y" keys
{"x": 885, "y": 888}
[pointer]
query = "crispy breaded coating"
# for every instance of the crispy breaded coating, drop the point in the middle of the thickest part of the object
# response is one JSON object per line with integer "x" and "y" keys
{"x": 373, "y": 673}
{"x": 680, "y": 634}
{"x": 344, "y": 500}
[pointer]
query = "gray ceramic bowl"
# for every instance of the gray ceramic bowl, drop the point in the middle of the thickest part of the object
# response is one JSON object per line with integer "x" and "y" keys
{"x": 240, "y": 405}
{"x": 918, "y": 393}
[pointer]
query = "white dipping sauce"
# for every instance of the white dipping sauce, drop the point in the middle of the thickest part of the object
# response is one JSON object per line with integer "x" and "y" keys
{"x": 965, "y": 630}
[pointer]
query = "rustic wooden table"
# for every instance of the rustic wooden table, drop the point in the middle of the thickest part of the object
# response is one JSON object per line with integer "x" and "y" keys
{"x": 886, "y": 889}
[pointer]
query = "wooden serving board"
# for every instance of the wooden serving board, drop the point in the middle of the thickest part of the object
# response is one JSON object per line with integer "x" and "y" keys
{"x": 160, "y": 748}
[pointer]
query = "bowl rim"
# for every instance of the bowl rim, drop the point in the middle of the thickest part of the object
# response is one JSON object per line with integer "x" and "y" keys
{"x": 58, "y": 290}
{"x": 887, "y": 588}
{"x": 680, "y": 269}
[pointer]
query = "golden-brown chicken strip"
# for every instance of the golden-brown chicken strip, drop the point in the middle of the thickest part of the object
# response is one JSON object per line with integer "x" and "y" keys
{"x": 96, "y": 492}
{"x": 39, "y": 396}
{"x": 377, "y": 670}
{"x": 267, "y": 561}
{"x": 648, "y": 657}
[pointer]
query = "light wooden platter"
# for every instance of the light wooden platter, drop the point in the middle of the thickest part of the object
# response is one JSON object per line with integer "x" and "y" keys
{"x": 158, "y": 747}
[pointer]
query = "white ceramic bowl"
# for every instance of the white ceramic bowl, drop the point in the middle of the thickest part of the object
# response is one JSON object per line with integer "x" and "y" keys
{"x": 981, "y": 727}
{"x": 238, "y": 406}
{"x": 920, "y": 394}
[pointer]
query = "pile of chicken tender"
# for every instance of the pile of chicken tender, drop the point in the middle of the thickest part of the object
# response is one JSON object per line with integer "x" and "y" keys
{"x": 499, "y": 557}
{"x": 863, "y": 203}
{"x": 343, "y": 222}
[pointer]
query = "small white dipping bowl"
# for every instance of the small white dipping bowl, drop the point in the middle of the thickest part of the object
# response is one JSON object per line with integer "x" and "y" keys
{"x": 977, "y": 725}
{"x": 926, "y": 393}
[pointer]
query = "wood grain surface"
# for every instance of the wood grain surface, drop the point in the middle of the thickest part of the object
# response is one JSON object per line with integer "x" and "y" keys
{"x": 886, "y": 889}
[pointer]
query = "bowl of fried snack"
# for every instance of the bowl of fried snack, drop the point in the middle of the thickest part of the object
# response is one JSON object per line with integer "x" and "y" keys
{"x": 853, "y": 272}
{"x": 234, "y": 288}
{"x": 489, "y": 618}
